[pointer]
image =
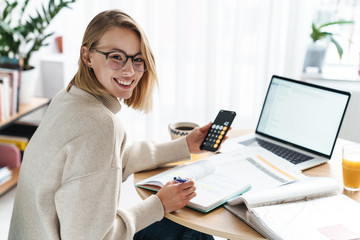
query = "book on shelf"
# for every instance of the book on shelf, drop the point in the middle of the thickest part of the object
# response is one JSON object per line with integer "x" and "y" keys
{"x": 5, "y": 174}
{"x": 19, "y": 142}
{"x": 309, "y": 208}
{"x": 5, "y": 93}
{"x": 10, "y": 90}
{"x": 219, "y": 178}
{"x": 14, "y": 138}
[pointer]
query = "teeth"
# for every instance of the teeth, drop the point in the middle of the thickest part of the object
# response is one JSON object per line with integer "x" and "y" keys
{"x": 126, "y": 83}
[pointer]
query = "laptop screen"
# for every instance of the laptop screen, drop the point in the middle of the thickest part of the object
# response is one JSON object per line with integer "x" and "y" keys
{"x": 303, "y": 114}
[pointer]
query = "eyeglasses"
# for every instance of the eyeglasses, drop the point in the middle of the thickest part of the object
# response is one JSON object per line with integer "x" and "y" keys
{"x": 118, "y": 59}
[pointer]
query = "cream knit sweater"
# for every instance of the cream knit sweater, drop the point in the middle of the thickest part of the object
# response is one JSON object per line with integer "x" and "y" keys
{"x": 73, "y": 167}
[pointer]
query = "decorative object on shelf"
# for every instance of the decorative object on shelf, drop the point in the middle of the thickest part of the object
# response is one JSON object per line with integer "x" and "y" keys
{"x": 10, "y": 155}
{"x": 24, "y": 35}
{"x": 59, "y": 43}
{"x": 316, "y": 51}
{"x": 28, "y": 84}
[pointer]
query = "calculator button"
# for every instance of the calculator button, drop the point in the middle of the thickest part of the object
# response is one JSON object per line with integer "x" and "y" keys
{"x": 225, "y": 128}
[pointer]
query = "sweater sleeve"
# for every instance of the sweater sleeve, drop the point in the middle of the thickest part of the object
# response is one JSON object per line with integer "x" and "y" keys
{"x": 87, "y": 208}
{"x": 87, "y": 203}
{"x": 148, "y": 155}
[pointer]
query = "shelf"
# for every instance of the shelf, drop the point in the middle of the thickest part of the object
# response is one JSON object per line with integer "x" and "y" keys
{"x": 334, "y": 72}
{"x": 6, "y": 186}
{"x": 24, "y": 109}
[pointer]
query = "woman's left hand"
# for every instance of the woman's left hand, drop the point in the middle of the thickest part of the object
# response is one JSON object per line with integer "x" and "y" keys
{"x": 196, "y": 137}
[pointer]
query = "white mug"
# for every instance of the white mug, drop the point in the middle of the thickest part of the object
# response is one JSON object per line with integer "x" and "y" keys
{"x": 181, "y": 129}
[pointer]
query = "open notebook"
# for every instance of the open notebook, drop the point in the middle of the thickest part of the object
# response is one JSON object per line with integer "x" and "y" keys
{"x": 309, "y": 208}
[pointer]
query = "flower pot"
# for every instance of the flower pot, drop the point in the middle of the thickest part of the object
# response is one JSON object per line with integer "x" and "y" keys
{"x": 29, "y": 79}
{"x": 315, "y": 55}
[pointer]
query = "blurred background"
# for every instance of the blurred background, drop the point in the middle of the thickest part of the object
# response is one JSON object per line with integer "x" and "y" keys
{"x": 210, "y": 54}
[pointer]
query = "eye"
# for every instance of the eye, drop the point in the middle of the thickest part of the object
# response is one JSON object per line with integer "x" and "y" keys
{"x": 117, "y": 57}
{"x": 138, "y": 60}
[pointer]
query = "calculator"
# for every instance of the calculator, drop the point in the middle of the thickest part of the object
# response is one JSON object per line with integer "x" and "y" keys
{"x": 218, "y": 130}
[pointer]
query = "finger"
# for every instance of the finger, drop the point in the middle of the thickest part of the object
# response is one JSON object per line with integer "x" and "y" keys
{"x": 190, "y": 196}
{"x": 170, "y": 183}
{"x": 206, "y": 127}
{"x": 188, "y": 192}
{"x": 188, "y": 184}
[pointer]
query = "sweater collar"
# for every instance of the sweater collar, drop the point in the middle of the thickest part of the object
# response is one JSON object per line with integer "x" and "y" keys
{"x": 107, "y": 100}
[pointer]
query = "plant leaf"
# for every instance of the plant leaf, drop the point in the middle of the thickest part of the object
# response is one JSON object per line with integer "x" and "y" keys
{"x": 5, "y": 27}
{"x": 335, "y": 23}
{"x": 324, "y": 35}
{"x": 8, "y": 9}
{"x": 26, "y": 31}
{"x": 338, "y": 47}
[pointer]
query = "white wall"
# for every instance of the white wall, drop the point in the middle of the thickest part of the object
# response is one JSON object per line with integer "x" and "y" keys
{"x": 250, "y": 41}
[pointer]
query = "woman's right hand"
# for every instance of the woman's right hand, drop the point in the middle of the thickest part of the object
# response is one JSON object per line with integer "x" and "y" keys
{"x": 175, "y": 195}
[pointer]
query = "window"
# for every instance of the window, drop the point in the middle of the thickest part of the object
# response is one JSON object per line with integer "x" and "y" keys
{"x": 347, "y": 35}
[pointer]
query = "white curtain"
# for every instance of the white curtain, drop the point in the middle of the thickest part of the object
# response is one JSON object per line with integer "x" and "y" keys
{"x": 210, "y": 55}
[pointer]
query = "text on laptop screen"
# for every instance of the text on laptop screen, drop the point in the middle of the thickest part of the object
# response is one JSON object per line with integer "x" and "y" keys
{"x": 303, "y": 115}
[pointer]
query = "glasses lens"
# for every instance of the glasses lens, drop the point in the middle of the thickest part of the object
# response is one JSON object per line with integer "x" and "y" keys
{"x": 139, "y": 64}
{"x": 116, "y": 60}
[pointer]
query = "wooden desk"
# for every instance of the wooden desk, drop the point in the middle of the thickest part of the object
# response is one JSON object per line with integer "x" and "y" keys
{"x": 222, "y": 223}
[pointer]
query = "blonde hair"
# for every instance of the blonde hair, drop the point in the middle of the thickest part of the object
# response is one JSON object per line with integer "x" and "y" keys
{"x": 141, "y": 98}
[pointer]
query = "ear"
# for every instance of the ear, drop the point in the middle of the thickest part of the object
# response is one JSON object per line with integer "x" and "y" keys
{"x": 86, "y": 56}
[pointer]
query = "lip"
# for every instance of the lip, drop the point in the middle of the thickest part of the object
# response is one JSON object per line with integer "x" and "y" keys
{"x": 124, "y": 83}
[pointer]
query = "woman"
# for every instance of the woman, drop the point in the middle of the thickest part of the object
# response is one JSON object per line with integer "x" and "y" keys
{"x": 70, "y": 180}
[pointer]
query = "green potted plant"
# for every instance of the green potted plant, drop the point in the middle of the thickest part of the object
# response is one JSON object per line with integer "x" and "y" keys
{"x": 315, "y": 53}
{"x": 21, "y": 36}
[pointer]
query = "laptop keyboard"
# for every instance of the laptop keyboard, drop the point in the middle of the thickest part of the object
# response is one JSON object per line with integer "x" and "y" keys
{"x": 288, "y": 154}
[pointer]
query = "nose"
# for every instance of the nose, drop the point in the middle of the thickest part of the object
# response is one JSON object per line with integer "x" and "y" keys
{"x": 128, "y": 68}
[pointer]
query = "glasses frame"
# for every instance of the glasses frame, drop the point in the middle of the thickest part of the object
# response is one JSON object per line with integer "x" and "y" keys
{"x": 106, "y": 54}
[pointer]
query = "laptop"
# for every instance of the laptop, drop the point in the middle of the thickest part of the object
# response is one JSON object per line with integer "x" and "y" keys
{"x": 299, "y": 122}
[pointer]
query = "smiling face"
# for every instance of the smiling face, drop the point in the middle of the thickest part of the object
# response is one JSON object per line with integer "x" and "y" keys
{"x": 119, "y": 83}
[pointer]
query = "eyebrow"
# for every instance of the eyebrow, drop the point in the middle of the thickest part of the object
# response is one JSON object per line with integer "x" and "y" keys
{"x": 118, "y": 49}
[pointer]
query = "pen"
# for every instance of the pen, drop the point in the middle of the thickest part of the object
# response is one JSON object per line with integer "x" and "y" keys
{"x": 180, "y": 180}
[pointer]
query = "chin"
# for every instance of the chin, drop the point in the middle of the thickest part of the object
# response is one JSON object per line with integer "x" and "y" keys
{"x": 124, "y": 96}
